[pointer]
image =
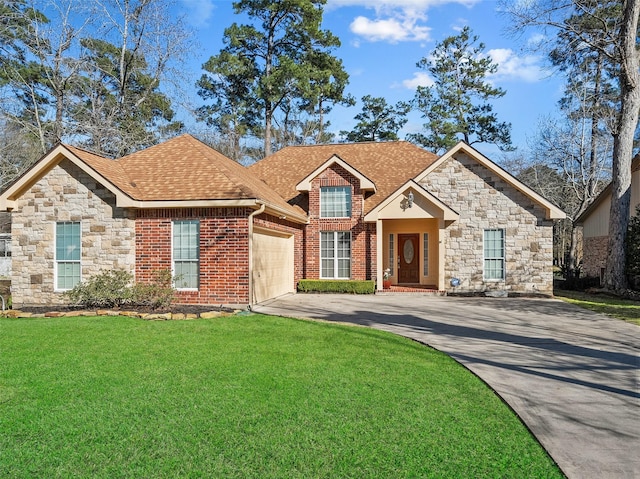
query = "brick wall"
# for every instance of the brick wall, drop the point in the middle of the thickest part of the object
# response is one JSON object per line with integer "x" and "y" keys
{"x": 594, "y": 255}
{"x": 66, "y": 193}
{"x": 484, "y": 201}
{"x": 224, "y": 252}
{"x": 362, "y": 235}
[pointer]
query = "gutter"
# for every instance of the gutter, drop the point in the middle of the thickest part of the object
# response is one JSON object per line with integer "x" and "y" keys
{"x": 257, "y": 212}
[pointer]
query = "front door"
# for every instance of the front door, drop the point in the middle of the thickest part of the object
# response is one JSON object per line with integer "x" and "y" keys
{"x": 408, "y": 261}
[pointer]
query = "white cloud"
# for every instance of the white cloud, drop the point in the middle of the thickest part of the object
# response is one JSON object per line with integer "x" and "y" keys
{"x": 391, "y": 29}
{"x": 385, "y": 5}
{"x": 512, "y": 67}
{"x": 199, "y": 11}
{"x": 419, "y": 79}
{"x": 394, "y": 20}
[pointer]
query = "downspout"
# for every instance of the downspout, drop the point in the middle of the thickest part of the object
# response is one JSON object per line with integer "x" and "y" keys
{"x": 251, "y": 216}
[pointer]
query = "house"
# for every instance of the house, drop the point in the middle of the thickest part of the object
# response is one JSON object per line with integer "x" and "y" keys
{"x": 237, "y": 236}
{"x": 595, "y": 225}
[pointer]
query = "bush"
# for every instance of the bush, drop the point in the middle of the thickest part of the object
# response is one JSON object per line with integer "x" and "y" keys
{"x": 108, "y": 289}
{"x": 158, "y": 294}
{"x": 336, "y": 286}
{"x": 633, "y": 248}
{"x": 115, "y": 289}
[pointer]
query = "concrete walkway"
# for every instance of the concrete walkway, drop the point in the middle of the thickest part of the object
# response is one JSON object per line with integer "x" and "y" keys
{"x": 571, "y": 375}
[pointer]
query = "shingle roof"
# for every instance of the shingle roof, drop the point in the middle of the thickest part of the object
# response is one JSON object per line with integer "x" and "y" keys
{"x": 181, "y": 169}
{"x": 388, "y": 165}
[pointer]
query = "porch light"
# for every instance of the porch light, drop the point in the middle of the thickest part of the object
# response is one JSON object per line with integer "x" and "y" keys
{"x": 410, "y": 199}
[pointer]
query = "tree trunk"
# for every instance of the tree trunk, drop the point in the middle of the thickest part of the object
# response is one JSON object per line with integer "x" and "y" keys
{"x": 614, "y": 277}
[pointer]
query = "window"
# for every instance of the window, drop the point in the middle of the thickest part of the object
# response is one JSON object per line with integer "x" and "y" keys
{"x": 425, "y": 254}
{"x": 494, "y": 256}
{"x": 186, "y": 253}
{"x": 335, "y": 254}
{"x": 391, "y": 254}
{"x": 335, "y": 202}
{"x": 5, "y": 247}
{"x": 67, "y": 270}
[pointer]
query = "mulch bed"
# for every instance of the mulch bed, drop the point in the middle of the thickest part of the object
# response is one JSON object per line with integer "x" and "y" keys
{"x": 175, "y": 308}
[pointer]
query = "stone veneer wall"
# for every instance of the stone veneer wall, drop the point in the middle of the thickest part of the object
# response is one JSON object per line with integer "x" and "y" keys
{"x": 594, "y": 256}
{"x": 484, "y": 201}
{"x": 66, "y": 193}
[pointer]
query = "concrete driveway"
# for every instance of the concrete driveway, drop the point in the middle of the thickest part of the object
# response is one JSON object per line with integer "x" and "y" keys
{"x": 571, "y": 375}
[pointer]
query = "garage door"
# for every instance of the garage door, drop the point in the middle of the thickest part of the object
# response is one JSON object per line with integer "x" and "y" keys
{"x": 272, "y": 264}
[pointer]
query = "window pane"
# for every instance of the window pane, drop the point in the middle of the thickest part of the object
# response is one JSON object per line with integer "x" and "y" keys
{"x": 391, "y": 254}
{"x": 187, "y": 274}
{"x": 335, "y": 254}
{"x": 186, "y": 253}
{"x": 68, "y": 241}
{"x": 335, "y": 201}
{"x": 494, "y": 259}
{"x": 67, "y": 254}
{"x": 68, "y": 275}
{"x": 425, "y": 254}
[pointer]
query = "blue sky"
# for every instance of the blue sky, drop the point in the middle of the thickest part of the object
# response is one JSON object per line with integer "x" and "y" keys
{"x": 381, "y": 45}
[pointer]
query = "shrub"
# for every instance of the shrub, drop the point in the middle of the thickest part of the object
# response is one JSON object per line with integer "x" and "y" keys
{"x": 115, "y": 289}
{"x": 336, "y": 286}
{"x": 108, "y": 289}
{"x": 633, "y": 248}
{"x": 159, "y": 293}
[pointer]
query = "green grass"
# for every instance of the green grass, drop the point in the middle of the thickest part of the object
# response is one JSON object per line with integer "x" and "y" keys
{"x": 625, "y": 309}
{"x": 248, "y": 397}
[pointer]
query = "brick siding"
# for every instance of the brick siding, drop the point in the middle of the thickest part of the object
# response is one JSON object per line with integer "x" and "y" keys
{"x": 363, "y": 243}
{"x": 594, "y": 255}
{"x": 224, "y": 251}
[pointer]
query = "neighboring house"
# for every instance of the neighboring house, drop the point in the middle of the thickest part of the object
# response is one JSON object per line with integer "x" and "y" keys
{"x": 238, "y": 236}
{"x": 5, "y": 245}
{"x": 595, "y": 225}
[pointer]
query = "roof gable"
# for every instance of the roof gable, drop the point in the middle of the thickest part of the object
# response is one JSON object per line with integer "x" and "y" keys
{"x": 365, "y": 183}
{"x": 109, "y": 175}
{"x": 411, "y": 201}
{"x": 552, "y": 211}
{"x": 181, "y": 172}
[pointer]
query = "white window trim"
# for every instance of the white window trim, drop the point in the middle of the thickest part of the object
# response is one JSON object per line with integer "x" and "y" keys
{"x": 55, "y": 257}
{"x": 349, "y": 206}
{"x": 335, "y": 255}
{"x": 503, "y": 258}
{"x": 173, "y": 261}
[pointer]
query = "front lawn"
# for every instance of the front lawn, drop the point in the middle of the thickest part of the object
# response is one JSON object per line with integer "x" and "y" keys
{"x": 246, "y": 396}
{"x": 625, "y": 309}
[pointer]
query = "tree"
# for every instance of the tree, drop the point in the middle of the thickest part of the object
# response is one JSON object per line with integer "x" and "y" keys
{"x": 235, "y": 111}
{"x": 378, "y": 121}
{"x": 61, "y": 82}
{"x": 457, "y": 105}
{"x": 617, "y": 41}
{"x": 289, "y": 53}
{"x": 118, "y": 114}
{"x": 566, "y": 144}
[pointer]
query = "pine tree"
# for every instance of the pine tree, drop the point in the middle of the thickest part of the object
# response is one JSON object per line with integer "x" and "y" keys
{"x": 457, "y": 106}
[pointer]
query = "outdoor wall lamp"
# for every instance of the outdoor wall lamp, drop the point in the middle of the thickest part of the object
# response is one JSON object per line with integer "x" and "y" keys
{"x": 410, "y": 199}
